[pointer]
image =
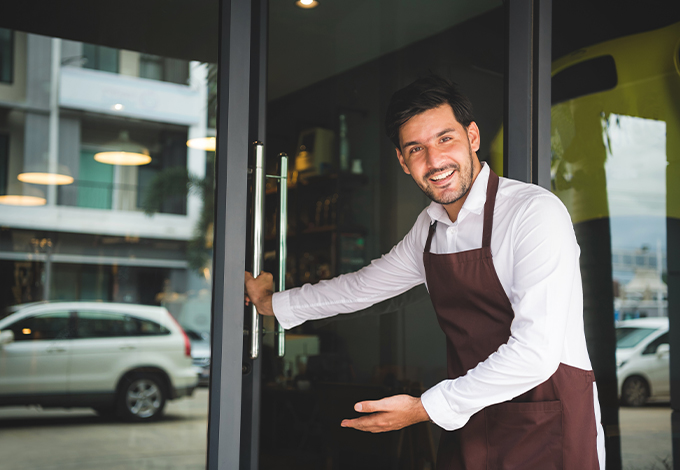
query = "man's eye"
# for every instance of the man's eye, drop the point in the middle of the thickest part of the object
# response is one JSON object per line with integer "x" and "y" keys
{"x": 414, "y": 149}
{"x": 446, "y": 138}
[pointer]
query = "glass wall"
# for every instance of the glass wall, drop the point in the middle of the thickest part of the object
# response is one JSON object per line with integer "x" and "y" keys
{"x": 614, "y": 144}
{"x": 332, "y": 71}
{"x": 105, "y": 248}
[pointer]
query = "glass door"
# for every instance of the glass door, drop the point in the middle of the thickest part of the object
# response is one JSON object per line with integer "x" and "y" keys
{"x": 331, "y": 70}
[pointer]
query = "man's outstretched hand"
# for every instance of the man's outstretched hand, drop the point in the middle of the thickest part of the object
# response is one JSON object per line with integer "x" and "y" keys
{"x": 388, "y": 414}
{"x": 259, "y": 291}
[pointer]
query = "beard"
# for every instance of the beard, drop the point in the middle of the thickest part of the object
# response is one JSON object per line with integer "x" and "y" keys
{"x": 449, "y": 197}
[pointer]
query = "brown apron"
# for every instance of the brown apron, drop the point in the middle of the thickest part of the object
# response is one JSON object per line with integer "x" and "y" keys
{"x": 549, "y": 427}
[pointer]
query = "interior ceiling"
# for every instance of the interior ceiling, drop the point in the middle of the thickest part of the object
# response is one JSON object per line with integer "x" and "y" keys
{"x": 306, "y": 46}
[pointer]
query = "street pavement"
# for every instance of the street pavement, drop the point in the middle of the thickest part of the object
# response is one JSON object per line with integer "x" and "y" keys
{"x": 78, "y": 439}
{"x": 646, "y": 437}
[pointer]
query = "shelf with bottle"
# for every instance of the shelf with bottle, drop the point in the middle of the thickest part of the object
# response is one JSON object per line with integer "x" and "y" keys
{"x": 324, "y": 239}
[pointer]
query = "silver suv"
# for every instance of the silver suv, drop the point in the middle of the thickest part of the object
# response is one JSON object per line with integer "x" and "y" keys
{"x": 120, "y": 359}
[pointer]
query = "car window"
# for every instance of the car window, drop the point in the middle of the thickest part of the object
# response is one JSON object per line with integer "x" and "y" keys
{"x": 151, "y": 328}
{"x": 90, "y": 324}
{"x": 653, "y": 346}
{"x": 629, "y": 337}
{"x": 54, "y": 325}
{"x": 103, "y": 325}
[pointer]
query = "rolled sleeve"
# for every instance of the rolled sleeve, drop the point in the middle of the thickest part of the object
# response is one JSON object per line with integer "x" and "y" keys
{"x": 282, "y": 311}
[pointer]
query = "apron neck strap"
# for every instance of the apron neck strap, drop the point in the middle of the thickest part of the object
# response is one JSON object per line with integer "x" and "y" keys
{"x": 489, "y": 205}
{"x": 433, "y": 228}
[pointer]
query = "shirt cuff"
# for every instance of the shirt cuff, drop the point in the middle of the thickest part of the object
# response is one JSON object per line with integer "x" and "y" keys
{"x": 438, "y": 409}
{"x": 282, "y": 310}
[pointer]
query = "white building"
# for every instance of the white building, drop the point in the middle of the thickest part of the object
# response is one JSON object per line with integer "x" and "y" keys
{"x": 62, "y": 102}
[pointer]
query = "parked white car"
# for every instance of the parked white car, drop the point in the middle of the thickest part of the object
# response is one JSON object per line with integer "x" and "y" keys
{"x": 120, "y": 359}
{"x": 642, "y": 360}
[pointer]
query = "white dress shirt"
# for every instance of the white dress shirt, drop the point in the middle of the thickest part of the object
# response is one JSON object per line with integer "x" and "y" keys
{"x": 536, "y": 257}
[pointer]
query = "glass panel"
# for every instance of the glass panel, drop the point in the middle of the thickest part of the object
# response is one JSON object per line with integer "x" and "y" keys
{"x": 100, "y": 58}
{"x": 614, "y": 156}
{"x": 332, "y": 71}
{"x": 6, "y": 55}
{"x": 120, "y": 249}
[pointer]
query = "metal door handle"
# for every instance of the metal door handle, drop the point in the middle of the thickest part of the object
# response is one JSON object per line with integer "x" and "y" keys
{"x": 56, "y": 349}
{"x": 283, "y": 248}
{"x": 126, "y": 347}
{"x": 258, "y": 240}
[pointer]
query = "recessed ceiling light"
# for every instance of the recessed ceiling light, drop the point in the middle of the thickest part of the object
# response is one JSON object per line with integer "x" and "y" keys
{"x": 117, "y": 107}
{"x": 307, "y": 3}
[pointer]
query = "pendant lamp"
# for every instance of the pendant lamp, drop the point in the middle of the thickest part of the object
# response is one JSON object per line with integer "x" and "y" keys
{"x": 41, "y": 175}
{"x": 20, "y": 194}
{"x": 123, "y": 151}
{"x": 203, "y": 143}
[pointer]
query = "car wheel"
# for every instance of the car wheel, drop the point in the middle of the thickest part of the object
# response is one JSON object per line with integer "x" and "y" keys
{"x": 635, "y": 391}
{"x": 141, "y": 398}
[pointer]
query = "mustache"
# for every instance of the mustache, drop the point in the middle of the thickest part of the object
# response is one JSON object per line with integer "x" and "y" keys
{"x": 434, "y": 171}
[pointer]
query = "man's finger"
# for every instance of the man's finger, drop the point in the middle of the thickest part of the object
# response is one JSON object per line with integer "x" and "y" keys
{"x": 371, "y": 406}
{"x": 365, "y": 423}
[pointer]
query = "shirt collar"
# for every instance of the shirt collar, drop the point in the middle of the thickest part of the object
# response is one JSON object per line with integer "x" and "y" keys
{"x": 474, "y": 202}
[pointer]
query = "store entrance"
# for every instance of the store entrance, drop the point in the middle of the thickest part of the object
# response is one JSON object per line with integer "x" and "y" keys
{"x": 331, "y": 70}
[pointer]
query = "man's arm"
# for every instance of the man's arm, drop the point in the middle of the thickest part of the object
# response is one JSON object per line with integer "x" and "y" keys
{"x": 390, "y": 275}
{"x": 547, "y": 302}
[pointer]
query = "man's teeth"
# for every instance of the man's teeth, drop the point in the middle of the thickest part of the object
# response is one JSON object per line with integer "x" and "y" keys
{"x": 442, "y": 176}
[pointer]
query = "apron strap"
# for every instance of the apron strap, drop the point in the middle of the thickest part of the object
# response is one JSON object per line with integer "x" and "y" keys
{"x": 489, "y": 205}
{"x": 433, "y": 228}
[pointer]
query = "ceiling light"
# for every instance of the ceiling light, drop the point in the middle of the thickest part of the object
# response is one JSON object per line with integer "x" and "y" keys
{"x": 117, "y": 107}
{"x": 124, "y": 152}
{"x": 39, "y": 175}
{"x": 20, "y": 194}
{"x": 307, "y": 3}
{"x": 203, "y": 143}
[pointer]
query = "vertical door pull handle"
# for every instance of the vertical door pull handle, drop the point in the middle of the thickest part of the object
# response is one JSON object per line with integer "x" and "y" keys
{"x": 258, "y": 240}
{"x": 283, "y": 250}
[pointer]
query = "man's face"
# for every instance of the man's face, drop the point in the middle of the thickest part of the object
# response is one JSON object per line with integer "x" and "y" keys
{"x": 437, "y": 151}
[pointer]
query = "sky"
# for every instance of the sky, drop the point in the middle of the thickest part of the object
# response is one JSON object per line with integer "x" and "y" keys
{"x": 636, "y": 181}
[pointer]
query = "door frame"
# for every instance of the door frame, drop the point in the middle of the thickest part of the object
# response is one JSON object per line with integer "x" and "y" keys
{"x": 233, "y": 426}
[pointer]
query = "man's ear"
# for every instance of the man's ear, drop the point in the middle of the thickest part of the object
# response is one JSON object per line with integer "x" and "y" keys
{"x": 473, "y": 136}
{"x": 402, "y": 162}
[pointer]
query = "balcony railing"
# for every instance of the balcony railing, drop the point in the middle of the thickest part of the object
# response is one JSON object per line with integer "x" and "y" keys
{"x": 114, "y": 196}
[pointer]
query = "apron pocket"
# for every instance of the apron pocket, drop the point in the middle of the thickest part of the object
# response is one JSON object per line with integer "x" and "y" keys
{"x": 524, "y": 435}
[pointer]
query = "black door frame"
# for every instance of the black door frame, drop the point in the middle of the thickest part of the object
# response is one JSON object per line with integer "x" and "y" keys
{"x": 234, "y": 397}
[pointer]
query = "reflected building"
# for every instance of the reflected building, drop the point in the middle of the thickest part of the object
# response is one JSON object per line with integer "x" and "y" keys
{"x": 113, "y": 229}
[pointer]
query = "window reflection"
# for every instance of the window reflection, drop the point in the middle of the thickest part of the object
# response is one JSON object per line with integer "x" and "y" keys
{"x": 614, "y": 134}
{"x": 102, "y": 275}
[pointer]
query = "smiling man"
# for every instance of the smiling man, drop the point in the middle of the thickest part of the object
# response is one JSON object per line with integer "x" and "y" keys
{"x": 500, "y": 261}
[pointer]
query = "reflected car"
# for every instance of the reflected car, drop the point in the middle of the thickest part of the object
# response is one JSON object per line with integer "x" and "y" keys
{"x": 123, "y": 360}
{"x": 200, "y": 355}
{"x": 642, "y": 360}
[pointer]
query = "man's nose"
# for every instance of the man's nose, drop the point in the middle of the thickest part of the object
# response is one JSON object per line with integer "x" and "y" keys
{"x": 434, "y": 156}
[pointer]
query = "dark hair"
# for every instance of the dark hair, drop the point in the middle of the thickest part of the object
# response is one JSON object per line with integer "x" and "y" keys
{"x": 424, "y": 94}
